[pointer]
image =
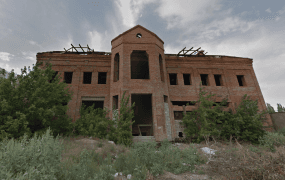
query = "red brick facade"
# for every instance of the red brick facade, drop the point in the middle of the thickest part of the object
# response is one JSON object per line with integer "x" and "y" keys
{"x": 158, "y": 83}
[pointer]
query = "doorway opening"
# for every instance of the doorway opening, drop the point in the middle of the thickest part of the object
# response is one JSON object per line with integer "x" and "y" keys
{"x": 143, "y": 125}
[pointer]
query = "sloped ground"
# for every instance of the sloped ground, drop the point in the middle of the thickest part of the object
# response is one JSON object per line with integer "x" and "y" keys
{"x": 229, "y": 160}
{"x": 236, "y": 161}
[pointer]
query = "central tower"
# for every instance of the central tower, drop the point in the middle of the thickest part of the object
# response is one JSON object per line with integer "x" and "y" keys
{"x": 138, "y": 67}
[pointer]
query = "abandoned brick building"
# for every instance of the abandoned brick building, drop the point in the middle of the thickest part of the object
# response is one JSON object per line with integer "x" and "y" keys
{"x": 160, "y": 84}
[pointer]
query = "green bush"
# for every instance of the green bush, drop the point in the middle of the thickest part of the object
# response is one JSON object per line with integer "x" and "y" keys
{"x": 281, "y": 131}
{"x": 271, "y": 109}
{"x": 143, "y": 155}
{"x": 246, "y": 124}
{"x": 94, "y": 123}
{"x": 37, "y": 158}
{"x": 205, "y": 121}
{"x": 34, "y": 105}
{"x": 124, "y": 122}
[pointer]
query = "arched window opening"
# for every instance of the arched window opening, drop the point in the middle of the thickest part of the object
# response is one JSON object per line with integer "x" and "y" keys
{"x": 116, "y": 67}
{"x": 161, "y": 68}
{"x": 139, "y": 65}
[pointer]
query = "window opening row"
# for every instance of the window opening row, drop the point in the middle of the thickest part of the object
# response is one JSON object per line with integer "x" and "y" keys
{"x": 102, "y": 78}
{"x": 204, "y": 79}
{"x": 87, "y": 77}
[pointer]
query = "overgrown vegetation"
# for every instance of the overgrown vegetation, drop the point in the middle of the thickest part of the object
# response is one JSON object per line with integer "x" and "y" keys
{"x": 33, "y": 105}
{"x": 206, "y": 121}
{"x": 271, "y": 109}
{"x": 94, "y": 123}
{"x": 48, "y": 156}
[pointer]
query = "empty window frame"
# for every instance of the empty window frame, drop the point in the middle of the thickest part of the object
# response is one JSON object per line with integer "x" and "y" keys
{"x": 181, "y": 103}
{"x": 53, "y": 77}
{"x": 220, "y": 103}
{"x": 178, "y": 115}
{"x": 241, "y": 80}
{"x": 87, "y": 76}
{"x": 102, "y": 77}
{"x": 139, "y": 65}
{"x": 204, "y": 79}
{"x": 116, "y": 67}
{"x": 165, "y": 99}
{"x": 115, "y": 102}
{"x": 68, "y": 77}
{"x": 161, "y": 68}
{"x": 97, "y": 104}
{"x": 218, "y": 79}
{"x": 187, "y": 80}
{"x": 173, "y": 79}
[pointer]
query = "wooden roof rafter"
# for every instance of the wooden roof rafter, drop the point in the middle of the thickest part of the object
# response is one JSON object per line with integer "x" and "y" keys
{"x": 88, "y": 49}
{"x": 184, "y": 53}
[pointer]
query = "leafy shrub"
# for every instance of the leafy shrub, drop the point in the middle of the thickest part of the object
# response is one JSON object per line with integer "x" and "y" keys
{"x": 204, "y": 121}
{"x": 246, "y": 124}
{"x": 124, "y": 121}
{"x": 282, "y": 131}
{"x": 93, "y": 122}
{"x": 35, "y": 159}
{"x": 33, "y": 105}
{"x": 271, "y": 109}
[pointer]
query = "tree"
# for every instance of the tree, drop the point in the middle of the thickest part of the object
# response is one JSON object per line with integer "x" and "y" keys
{"x": 34, "y": 104}
{"x": 93, "y": 122}
{"x": 246, "y": 123}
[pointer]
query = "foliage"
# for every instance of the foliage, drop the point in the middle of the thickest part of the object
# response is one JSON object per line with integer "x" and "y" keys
{"x": 39, "y": 158}
{"x": 272, "y": 139}
{"x": 197, "y": 123}
{"x": 94, "y": 123}
{"x": 124, "y": 122}
{"x": 271, "y": 109}
{"x": 33, "y": 105}
{"x": 246, "y": 124}
{"x": 144, "y": 155}
{"x": 281, "y": 131}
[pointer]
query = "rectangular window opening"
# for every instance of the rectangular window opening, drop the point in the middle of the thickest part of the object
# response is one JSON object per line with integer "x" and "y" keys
{"x": 218, "y": 79}
{"x": 87, "y": 77}
{"x": 102, "y": 77}
{"x": 178, "y": 115}
{"x": 186, "y": 78}
{"x": 173, "y": 79}
{"x": 240, "y": 79}
{"x": 219, "y": 103}
{"x": 97, "y": 104}
{"x": 204, "y": 79}
{"x": 165, "y": 99}
{"x": 68, "y": 77}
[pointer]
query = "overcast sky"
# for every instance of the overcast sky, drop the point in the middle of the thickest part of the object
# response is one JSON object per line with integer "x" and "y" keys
{"x": 244, "y": 28}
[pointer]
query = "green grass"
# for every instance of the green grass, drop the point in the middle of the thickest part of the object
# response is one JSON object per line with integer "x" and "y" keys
{"x": 40, "y": 159}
